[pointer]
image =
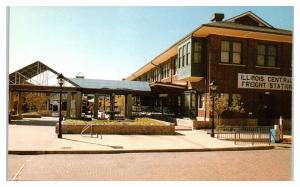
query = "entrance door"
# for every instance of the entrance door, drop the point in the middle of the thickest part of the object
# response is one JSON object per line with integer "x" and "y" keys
{"x": 265, "y": 109}
{"x": 190, "y": 104}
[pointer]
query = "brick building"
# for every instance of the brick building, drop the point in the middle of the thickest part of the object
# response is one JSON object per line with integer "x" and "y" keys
{"x": 249, "y": 59}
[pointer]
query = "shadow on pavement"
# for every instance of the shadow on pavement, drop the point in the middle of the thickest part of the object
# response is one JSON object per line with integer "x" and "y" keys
{"x": 114, "y": 147}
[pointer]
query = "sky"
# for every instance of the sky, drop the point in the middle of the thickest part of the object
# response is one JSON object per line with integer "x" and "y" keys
{"x": 110, "y": 42}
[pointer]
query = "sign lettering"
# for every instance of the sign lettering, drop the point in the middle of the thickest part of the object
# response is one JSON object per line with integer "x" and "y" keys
{"x": 270, "y": 82}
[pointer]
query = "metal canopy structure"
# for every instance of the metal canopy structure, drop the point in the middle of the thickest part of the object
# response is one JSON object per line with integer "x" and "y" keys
{"x": 36, "y": 73}
{"x": 35, "y": 77}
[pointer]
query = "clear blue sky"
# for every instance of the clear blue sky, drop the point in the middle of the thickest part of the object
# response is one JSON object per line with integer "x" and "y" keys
{"x": 110, "y": 42}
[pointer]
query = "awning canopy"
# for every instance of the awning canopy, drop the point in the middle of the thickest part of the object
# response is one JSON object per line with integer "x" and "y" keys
{"x": 112, "y": 86}
{"x": 167, "y": 88}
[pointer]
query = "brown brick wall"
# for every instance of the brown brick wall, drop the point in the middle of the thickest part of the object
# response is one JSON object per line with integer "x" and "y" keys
{"x": 227, "y": 79}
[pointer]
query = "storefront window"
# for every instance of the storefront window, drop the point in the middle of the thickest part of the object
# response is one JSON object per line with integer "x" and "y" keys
{"x": 202, "y": 101}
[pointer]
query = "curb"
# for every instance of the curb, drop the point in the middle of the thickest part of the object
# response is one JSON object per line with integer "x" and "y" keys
{"x": 40, "y": 152}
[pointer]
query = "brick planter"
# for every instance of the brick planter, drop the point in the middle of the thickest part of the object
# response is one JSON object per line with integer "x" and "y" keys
{"x": 31, "y": 116}
{"x": 121, "y": 129}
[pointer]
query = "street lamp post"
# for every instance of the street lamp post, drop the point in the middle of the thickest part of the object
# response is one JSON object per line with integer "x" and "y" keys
{"x": 60, "y": 80}
{"x": 213, "y": 88}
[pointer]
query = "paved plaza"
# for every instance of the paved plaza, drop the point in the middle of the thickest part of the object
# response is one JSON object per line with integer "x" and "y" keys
{"x": 189, "y": 155}
{"x": 43, "y": 138}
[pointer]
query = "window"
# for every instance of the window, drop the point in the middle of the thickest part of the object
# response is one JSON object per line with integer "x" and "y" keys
{"x": 236, "y": 52}
{"x": 202, "y": 101}
{"x": 165, "y": 71}
{"x": 225, "y": 52}
{"x": 231, "y": 52}
{"x": 197, "y": 52}
{"x": 148, "y": 77}
{"x": 155, "y": 74}
{"x": 261, "y": 55}
{"x": 184, "y": 55}
{"x": 188, "y": 53}
{"x": 266, "y": 55}
{"x": 272, "y": 56}
{"x": 223, "y": 100}
{"x": 175, "y": 64}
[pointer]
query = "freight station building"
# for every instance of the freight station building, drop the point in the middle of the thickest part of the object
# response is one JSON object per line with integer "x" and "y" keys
{"x": 248, "y": 59}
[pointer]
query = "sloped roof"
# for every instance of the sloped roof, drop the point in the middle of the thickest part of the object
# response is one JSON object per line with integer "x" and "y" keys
{"x": 232, "y": 25}
{"x": 112, "y": 84}
{"x": 253, "y": 17}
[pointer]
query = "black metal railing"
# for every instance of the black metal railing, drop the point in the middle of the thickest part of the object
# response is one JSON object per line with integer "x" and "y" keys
{"x": 245, "y": 134}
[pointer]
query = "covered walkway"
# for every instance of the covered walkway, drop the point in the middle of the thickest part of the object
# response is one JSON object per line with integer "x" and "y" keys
{"x": 39, "y": 78}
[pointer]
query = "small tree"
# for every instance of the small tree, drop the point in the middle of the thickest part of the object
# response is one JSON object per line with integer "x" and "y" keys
{"x": 36, "y": 100}
{"x": 222, "y": 105}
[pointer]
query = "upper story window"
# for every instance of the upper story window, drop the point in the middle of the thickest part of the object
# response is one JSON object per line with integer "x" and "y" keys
{"x": 165, "y": 71}
{"x": 156, "y": 74}
{"x": 181, "y": 57}
{"x": 148, "y": 77}
{"x": 231, "y": 52}
{"x": 188, "y": 51}
{"x": 197, "y": 52}
{"x": 175, "y": 64}
{"x": 266, "y": 55}
{"x": 185, "y": 54}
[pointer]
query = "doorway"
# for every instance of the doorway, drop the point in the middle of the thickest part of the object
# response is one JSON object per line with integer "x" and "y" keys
{"x": 265, "y": 109}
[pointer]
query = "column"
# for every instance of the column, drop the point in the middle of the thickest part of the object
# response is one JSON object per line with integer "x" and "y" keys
{"x": 78, "y": 105}
{"x": 112, "y": 106}
{"x": 69, "y": 105}
{"x": 125, "y": 107}
{"x": 96, "y": 105}
{"x": 20, "y": 103}
{"x": 129, "y": 106}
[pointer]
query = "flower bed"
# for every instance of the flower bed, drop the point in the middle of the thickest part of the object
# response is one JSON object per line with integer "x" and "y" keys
{"x": 139, "y": 126}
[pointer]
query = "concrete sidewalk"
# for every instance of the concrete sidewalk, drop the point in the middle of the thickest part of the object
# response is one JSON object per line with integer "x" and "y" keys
{"x": 42, "y": 140}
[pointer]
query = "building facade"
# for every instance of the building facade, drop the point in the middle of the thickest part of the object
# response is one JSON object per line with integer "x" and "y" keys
{"x": 249, "y": 59}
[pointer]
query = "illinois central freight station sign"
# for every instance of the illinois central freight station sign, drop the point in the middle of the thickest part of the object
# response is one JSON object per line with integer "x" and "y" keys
{"x": 255, "y": 81}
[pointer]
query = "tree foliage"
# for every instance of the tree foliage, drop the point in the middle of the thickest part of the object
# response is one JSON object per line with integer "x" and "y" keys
{"x": 35, "y": 101}
{"x": 221, "y": 105}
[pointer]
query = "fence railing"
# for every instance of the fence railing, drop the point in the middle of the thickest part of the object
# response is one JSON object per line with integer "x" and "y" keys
{"x": 245, "y": 134}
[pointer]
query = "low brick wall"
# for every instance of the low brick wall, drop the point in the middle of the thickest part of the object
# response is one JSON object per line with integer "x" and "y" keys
{"x": 120, "y": 129}
{"x": 31, "y": 116}
{"x": 187, "y": 123}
